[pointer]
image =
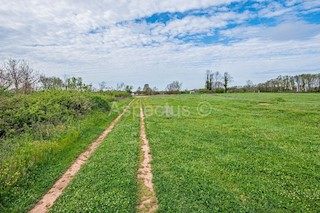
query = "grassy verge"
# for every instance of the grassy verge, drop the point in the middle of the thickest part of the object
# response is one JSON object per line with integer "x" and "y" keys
{"x": 251, "y": 153}
{"x": 107, "y": 182}
{"x": 51, "y": 158}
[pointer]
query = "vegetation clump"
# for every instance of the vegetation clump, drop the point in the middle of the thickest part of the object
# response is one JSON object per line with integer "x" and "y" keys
{"x": 41, "y": 110}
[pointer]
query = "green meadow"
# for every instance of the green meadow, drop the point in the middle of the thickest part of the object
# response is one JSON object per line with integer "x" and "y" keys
{"x": 252, "y": 152}
{"x": 235, "y": 152}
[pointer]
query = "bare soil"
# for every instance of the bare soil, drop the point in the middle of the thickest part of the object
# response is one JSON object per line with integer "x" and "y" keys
{"x": 148, "y": 200}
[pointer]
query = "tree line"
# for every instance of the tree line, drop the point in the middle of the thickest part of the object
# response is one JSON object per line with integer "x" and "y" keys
{"x": 297, "y": 83}
{"x": 19, "y": 77}
{"x": 219, "y": 83}
{"x": 172, "y": 88}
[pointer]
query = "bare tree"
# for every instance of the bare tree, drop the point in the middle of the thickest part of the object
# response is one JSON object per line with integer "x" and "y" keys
{"x": 28, "y": 77}
{"x": 12, "y": 68}
{"x": 175, "y": 86}
{"x": 120, "y": 86}
{"x": 249, "y": 85}
{"x": 5, "y": 82}
{"x": 20, "y": 75}
{"x": 102, "y": 85}
{"x": 217, "y": 80}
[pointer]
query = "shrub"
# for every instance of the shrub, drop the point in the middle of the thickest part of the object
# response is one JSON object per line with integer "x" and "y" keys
{"x": 203, "y": 91}
{"x": 100, "y": 102}
{"x": 19, "y": 113}
{"x": 219, "y": 90}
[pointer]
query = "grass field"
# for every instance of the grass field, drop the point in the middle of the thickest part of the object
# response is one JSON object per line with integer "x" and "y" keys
{"x": 248, "y": 153}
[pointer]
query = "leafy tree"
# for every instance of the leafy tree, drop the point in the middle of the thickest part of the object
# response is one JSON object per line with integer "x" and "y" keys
{"x": 49, "y": 83}
{"x": 128, "y": 89}
{"x": 213, "y": 80}
{"x": 226, "y": 80}
{"x": 209, "y": 80}
{"x": 147, "y": 89}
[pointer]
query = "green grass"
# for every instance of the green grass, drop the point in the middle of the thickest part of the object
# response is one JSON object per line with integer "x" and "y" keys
{"x": 58, "y": 153}
{"x": 252, "y": 153}
{"x": 107, "y": 182}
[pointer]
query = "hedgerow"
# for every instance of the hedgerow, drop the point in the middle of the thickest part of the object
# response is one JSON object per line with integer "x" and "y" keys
{"x": 43, "y": 110}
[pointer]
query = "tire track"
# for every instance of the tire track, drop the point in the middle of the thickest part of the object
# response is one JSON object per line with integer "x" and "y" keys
{"x": 51, "y": 196}
{"x": 148, "y": 200}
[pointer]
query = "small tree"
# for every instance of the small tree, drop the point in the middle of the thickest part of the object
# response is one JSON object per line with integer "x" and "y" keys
{"x": 12, "y": 68}
{"x": 175, "y": 86}
{"x": 128, "y": 89}
{"x": 213, "y": 80}
{"x": 120, "y": 86}
{"x": 18, "y": 74}
{"x": 208, "y": 80}
{"x": 249, "y": 85}
{"x": 102, "y": 85}
{"x": 138, "y": 90}
{"x": 147, "y": 90}
{"x": 5, "y": 82}
{"x": 155, "y": 90}
{"x": 216, "y": 82}
{"x": 28, "y": 77}
{"x": 226, "y": 80}
{"x": 49, "y": 83}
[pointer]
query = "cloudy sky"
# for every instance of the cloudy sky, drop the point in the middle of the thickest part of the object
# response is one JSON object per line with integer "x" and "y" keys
{"x": 158, "y": 41}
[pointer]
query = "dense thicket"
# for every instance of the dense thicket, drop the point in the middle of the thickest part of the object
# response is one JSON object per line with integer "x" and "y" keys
{"x": 40, "y": 111}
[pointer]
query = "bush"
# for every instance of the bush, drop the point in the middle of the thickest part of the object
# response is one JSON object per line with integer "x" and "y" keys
{"x": 219, "y": 90}
{"x": 19, "y": 113}
{"x": 100, "y": 102}
{"x": 204, "y": 91}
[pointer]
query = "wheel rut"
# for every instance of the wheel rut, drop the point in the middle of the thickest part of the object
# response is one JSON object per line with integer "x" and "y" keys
{"x": 52, "y": 195}
{"x": 147, "y": 196}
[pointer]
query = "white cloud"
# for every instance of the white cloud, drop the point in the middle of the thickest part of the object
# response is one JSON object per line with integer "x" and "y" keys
{"x": 55, "y": 38}
{"x": 288, "y": 30}
{"x": 196, "y": 24}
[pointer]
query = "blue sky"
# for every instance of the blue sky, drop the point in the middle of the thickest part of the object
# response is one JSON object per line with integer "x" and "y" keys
{"x": 159, "y": 41}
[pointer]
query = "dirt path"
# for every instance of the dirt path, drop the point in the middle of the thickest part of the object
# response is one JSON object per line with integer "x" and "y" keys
{"x": 51, "y": 196}
{"x": 147, "y": 196}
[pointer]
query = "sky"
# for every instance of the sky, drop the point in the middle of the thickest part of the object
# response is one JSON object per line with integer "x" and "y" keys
{"x": 160, "y": 41}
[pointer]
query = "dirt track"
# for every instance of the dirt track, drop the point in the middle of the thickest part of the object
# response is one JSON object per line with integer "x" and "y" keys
{"x": 148, "y": 200}
{"x": 51, "y": 196}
